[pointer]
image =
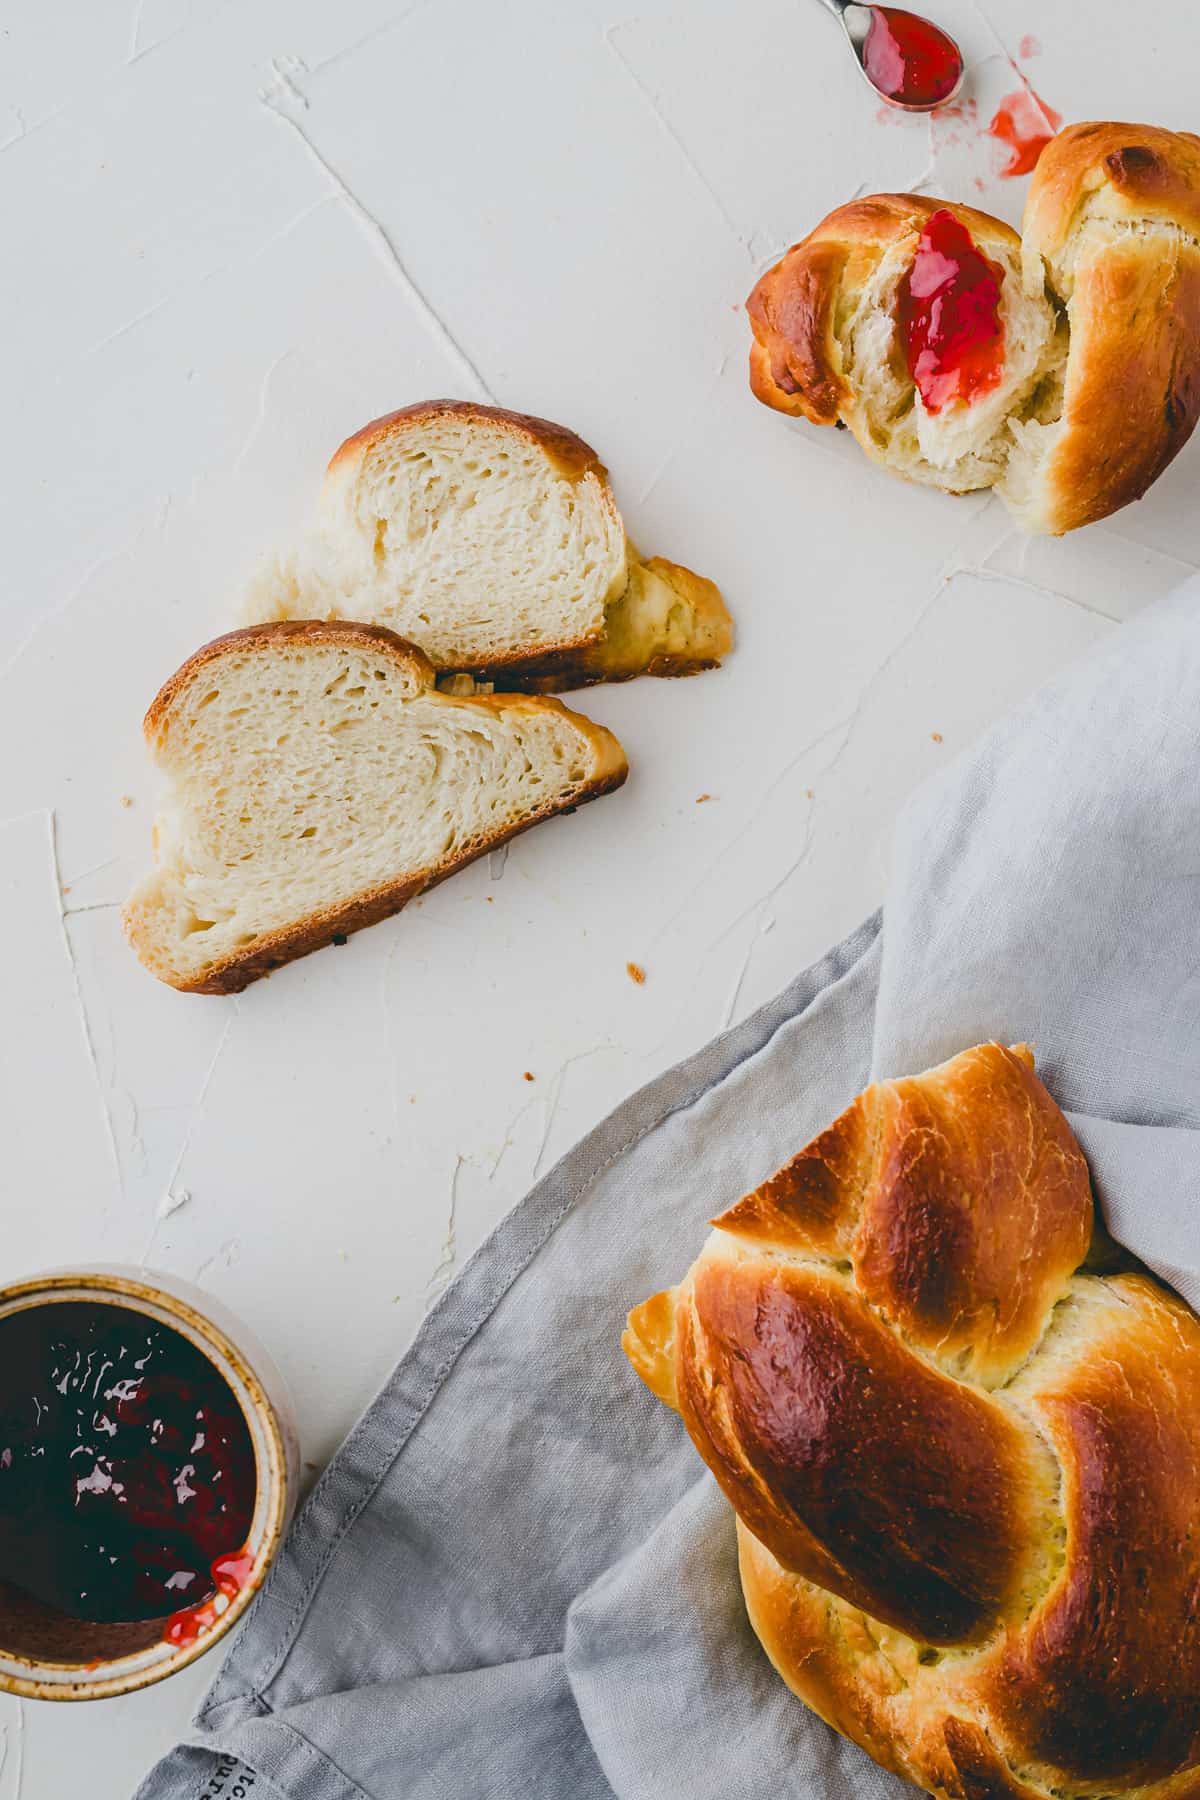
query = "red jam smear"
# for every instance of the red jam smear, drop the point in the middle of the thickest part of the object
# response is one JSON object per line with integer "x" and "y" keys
{"x": 949, "y": 315}
{"x": 230, "y": 1575}
{"x": 127, "y": 1471}
{"x": 1026, "y": 124}
{"x": 910, "y": 60}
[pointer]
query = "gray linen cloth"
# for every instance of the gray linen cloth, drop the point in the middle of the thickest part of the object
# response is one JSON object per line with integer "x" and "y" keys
{"x": 515, "y": 1578}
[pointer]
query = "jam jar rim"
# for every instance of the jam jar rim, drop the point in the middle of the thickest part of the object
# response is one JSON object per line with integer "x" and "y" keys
{"x": 256, "y": 1385}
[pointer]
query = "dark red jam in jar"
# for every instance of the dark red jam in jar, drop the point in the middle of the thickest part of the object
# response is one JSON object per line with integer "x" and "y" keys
{"x": 910, "y": 60}
{"x": 949, "y": 315}
{"x": 127, "y": 1473}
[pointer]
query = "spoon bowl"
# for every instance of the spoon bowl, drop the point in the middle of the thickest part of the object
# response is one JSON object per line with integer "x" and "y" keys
{"x": 906, "y": 60}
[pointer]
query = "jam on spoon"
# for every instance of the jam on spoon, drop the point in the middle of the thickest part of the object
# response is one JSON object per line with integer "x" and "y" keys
{"x": 949, "y": 315}
{"x": 909, "y": 60}
{"x": 127, "y": 1471}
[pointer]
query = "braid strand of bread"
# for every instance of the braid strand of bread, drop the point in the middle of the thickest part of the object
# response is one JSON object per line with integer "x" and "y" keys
{"x": 965, "y": 1467}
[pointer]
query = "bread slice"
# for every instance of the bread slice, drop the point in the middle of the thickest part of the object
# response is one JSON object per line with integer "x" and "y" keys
{"x": 318, "y": 780}
{"x": 493, "y": 541}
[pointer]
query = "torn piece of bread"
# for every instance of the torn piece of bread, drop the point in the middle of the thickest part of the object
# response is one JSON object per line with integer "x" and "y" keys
{"x": 493, "y": 541}
{"x": 1112, "y": 229}
{"x": 1098, "y": 339}
{"x": 849, "y": 272}
{"x": 318, "y": 781}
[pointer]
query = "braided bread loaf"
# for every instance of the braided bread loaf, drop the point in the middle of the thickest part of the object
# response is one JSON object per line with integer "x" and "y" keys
{"x": 1084, "y": 365}
{"x": 966, "y": 1467}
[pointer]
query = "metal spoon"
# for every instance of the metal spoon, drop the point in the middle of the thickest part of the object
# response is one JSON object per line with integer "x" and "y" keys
{"x": 857, "y": 20}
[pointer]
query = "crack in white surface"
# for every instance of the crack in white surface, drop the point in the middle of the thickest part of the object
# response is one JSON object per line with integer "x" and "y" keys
{"x": 763, "y": 900}
{"x": 137, "y": 1142}
{"x": 46, "y": 619}
{"x": 765, "y": 924}
{"x": 898, "y": 648}
{"x": 1016, "y": 68}
{"x": 669, "y": 131}
{"x": 549, "y": 1100}
{"x": 983, "y": 571}
{"x": 369, "y": 37}
{"x": 80, "y": 1007}
{"x": 507, "y": 1140}
{"x": 277, "y": 236}
{"x": 129, "y": 325}
{"x": 135, "y": 34}
{"x": 228, "y": 1249}
{"x": 137, "y": 50}
{"x": 701, "y": 881}
{"x": 21, "y": 131}
{"x": 275, "y": 98}
{"x": 389, "y": 1039}
{"x": 92, "y": 869}
{"x": 260, "y": 417}
{"x": 686, "y": 435}
{"x": 18, "y": 1784}
{"x": 69, "y": 912}
{"x": 189, "y": 1134}
{"x": 190, "y": 288}
{"x": 440, "y": 1278}
{"x": 554, "y": 1100}
{"x": 1182, "y": 562}
{"x": 848, "y": 727}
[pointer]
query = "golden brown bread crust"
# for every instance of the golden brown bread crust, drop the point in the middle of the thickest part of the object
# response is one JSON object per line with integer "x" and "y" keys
{"x": 833, "y": 1442}
{"x": 312, "y": 631}
{"x": 1093, "y": 1684}
{"x": 1114, "y": 210}
{"x": 961, "y": 1164}
{"x": 339, "y": 923}
{"x": 621, "y": 654}
{"x": 570, "y": 455}
{"x": 980, "y": 1560}
{"x": 275, "y": 949}
{"x": 587, "y": 659}
{"x": 1111, "y": 232}
{"x": 1125, "y": 172}
{"x": 796, "y": 360}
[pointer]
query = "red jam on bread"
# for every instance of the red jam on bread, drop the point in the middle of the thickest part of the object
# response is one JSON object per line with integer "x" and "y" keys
{"x": 908, "y": 59}
{"x": 949, "y": 315}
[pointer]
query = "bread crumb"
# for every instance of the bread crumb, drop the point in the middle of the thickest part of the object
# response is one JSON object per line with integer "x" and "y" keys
{"x": 635, "y": 972}
{"x": 126, "y": 799}
{"x": 528, "y": 1076}
{"x": 936, "y": 736}
{"x": 489, "y": 898}
{"x": 701, "y": 798}
{"x": 808, "y": 794}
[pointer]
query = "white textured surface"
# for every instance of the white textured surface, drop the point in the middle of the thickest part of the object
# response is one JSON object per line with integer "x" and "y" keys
{"x": 234, "y": 233}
